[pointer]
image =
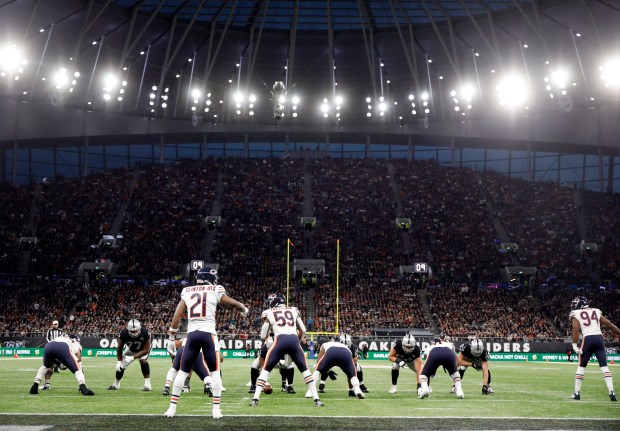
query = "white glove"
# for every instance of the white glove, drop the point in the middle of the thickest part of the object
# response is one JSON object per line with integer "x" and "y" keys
{"x": 127, "y": 360}
{"x": 577, "y": 349}
{"x": 119, "y": 366}
{"x": 419, "y": 390}
{"x": 245, "y": 311}
{"x": 172, "y": 348}
{"x": 402, "y": 364}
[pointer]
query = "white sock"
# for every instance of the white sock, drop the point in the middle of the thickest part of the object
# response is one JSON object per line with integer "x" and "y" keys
{"x": 260, "y": 383}
{"x": 579, "y": 378}
{"x": 311, "y": 383}
{"x": 79, "y": 376}
{"x": 177, "y": 386}
{"x": 40, "y": 374}
{"x": 147, "y": 381}
{"x": 172, "y": 373}
{"x": 608, "y": 380}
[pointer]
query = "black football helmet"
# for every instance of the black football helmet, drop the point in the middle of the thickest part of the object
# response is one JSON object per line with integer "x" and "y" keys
{"x": 579, "y": 302}
{"x": 206, "y": 275}
{"x": 276, "y": 300}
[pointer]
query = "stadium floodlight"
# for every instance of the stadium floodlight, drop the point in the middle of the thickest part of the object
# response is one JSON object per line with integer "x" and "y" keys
{"x": 610, "y": 72}
{"x": 512, "y": 91}
{"x": 12, "y": 61}
{"x": 560, "y": 78}
{"x": 338, "y": 100}
{"x": 196, "y": 93}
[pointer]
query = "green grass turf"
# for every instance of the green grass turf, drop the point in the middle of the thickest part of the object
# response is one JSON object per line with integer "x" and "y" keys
{"x": 528, "y": 396}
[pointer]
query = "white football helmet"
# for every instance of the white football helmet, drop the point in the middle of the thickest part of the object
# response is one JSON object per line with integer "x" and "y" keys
{"x": 345, "y": 339}
{"x": 408, "y": 343}
{"x": 134, "y": 327}
{"x": 477, "y": 347}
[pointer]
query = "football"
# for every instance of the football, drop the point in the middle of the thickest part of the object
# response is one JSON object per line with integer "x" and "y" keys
{"x": 267, "y": 389}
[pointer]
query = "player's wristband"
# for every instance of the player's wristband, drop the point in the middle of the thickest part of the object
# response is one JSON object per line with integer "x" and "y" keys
{"x": 173, "y": 332}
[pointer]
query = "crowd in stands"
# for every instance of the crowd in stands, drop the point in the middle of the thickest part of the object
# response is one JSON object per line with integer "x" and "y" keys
{"x": 73, "y": 216}
{"x": 15, "y": 205}
{"x": 454, "y": 211}
{"x": 262, "y": 205}
{"x": 462, "y": 310}
{"x": 452, "y": 228}
{"x": 541, "y": 218}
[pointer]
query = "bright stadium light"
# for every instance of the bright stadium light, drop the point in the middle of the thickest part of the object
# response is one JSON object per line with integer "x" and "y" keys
{"x": 512, "y": 91}
{"x": 560, "y": 78}
{"x": 12, "y": 61}
{"x": 610, "y": 72}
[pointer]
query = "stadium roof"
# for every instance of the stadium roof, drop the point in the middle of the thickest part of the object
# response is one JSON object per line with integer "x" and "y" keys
{"x": 184, "y": 59}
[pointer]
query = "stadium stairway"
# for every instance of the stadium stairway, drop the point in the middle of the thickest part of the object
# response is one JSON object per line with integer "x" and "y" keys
{"x": 308, "y": 211}
{"x": 24, "y": 258}
{"x": 406, "y": 236}
{"x": 115, "y": 226}
{"x": 216, "y": 210}
{"x": 423, "y": 298}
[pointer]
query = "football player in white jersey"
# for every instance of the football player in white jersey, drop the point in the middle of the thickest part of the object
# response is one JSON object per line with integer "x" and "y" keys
{"x": 288, "y": 329}
{"x": 440, "y": 353}
{"x": 589, "y": 321}
{"x": 201, "y": 301}
{"x": 66, "y": 350}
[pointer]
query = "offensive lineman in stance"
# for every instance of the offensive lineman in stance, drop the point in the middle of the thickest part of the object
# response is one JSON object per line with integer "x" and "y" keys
{"x": 589, "y": 321}
{"x": 288, "y": 329}
{"x": 405, "y": 353}
{"x": 201, "y": 301}
{"x": 440, "y": 353}
{"x": 65, "y": 350}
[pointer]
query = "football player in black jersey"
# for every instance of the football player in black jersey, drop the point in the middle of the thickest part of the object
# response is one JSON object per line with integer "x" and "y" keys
{"x": 405, "y": 353}
{"x": 475, "y": 355}
{"x": 134, "y": 342}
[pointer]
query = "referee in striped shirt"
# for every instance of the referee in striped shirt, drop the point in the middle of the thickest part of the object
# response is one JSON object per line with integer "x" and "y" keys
{"x": 53, "y": 333}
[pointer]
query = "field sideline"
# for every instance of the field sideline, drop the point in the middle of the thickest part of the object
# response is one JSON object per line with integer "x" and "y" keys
{"x": 528, "y": 396}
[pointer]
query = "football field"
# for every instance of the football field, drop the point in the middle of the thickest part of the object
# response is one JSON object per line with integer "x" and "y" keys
{"x": 528, "y": 396}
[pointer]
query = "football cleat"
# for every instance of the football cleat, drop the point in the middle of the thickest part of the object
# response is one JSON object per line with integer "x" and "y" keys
{"x": 453, "y": 389}
{"x": 308, "y": 394}
{"x": 186, "y": 389}
{"x": 322, "y": 388}
{"x": 490, "y": 390}
{"x": 252, "y": 389}
{"x": 364, "y": 388}
{"x": 360, "y": 394}
{"x": 318, "y": 403}
{"x": 612, "y": 397}
{"x": 171, "y": 411}
{"x": 146, "y": 388}
{"x": 217, "y": 414}
{"x": 332, "y": 375}
{"x": 209, "y": 390}
{"x": 166, "y": 391}
{"x": 575, "y": 396}
{"x": 423, "y": 394}
{"x": 254, "y": 403}
{"x": 430, "y": 389}
{"x": 34, "y": 389}
{"x": 112, "y": 388}
{"x": 85, "y": 391}
{"x": 351, "y": 393}
{"x": 291, "y": 390}
{"x": 459, "y": 394}
{"x": 393, "y": 389}
{"x": 223, "y": 389}
{"x": 46, "y": 386}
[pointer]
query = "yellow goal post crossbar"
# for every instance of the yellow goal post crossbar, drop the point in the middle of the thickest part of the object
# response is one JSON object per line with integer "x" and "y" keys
{"x": 288, "y": 284}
